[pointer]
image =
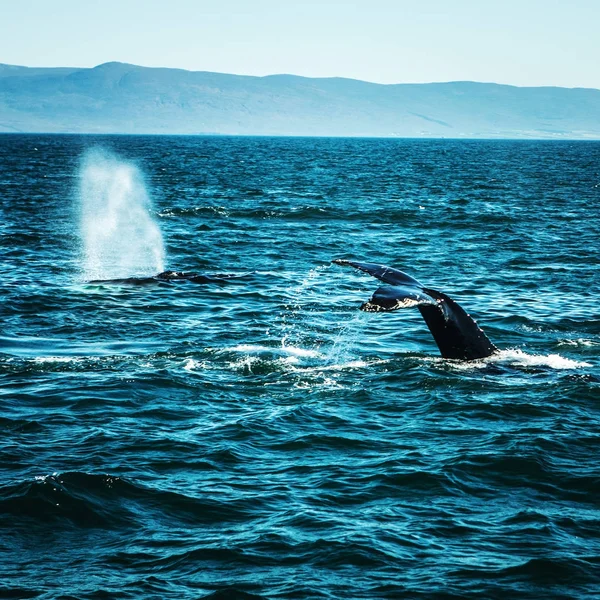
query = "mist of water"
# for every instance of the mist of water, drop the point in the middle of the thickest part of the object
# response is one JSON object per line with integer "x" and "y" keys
{"x": 119, "y": 236}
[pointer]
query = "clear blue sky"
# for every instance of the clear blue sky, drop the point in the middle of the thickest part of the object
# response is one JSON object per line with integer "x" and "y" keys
{"x": 520, "y": 42}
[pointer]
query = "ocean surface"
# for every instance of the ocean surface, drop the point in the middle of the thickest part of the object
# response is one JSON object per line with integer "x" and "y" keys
{"x": 259, "y": 436}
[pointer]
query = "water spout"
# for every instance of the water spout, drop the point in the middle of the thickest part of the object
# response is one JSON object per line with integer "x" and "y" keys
{"x": 119, "y": 236}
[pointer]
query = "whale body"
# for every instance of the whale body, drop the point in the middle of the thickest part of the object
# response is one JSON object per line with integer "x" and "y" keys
{"x": 455, "y": 332}
{"x": 167, "y": 276}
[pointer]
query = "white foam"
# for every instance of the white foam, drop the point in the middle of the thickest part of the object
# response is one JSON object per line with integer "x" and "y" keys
{"x": 250, "y": 348}
{"x": 518, "y": 358}
{"x": 301, "y": 352}
{"x": 353, "y": 364}
{"x": 56, "y": 359}
{"x": 291, "y": 351}
{"x": 193, "y": 365}
{"x": 580, "y": 342}
{"x": 45, "y": 477}
{"x": 522, "y": 359}
{"x": 327, "y": 382}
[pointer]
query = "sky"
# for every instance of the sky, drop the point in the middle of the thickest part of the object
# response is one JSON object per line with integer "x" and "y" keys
{"x": 518, "y": 42}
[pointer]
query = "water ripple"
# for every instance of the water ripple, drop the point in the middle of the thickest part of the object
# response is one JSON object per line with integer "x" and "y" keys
{"x": 260, "y": 437}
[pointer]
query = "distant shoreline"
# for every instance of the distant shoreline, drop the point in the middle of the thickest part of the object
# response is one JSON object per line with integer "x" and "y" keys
{"x": 133, "y": 100}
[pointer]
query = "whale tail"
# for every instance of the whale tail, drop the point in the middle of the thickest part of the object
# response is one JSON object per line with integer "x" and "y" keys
{"x": 455, "y": 332}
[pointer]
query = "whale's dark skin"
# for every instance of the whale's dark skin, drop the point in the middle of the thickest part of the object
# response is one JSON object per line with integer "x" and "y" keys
{"x": 457, "y": 335}
{"x": 168, "y": 276}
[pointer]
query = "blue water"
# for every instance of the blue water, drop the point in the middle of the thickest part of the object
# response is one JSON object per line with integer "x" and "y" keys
{"x": 260, "y": 437}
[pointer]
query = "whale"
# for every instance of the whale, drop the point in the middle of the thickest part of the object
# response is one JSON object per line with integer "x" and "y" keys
{"x": 455, "y": 332}
{"x": 169, "y": 276}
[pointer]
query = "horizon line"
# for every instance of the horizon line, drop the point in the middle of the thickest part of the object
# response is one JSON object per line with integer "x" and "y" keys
{"x": 324, "y": 137}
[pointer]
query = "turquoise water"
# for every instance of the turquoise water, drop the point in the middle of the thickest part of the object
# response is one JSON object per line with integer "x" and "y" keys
{"x": 259, "y": 436}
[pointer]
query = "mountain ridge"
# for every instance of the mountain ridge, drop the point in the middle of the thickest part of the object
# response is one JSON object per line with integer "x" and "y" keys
{"x": 117, "y": 97}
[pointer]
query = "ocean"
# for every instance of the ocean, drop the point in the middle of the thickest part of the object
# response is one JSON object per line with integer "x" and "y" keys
{"x": 257, "y": 436}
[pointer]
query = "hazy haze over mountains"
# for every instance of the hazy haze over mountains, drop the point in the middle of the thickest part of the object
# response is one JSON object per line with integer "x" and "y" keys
{"x": 123, "y": 98}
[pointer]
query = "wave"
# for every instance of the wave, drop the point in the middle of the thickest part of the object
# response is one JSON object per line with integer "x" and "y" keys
{"x": 108, "y": 501}
{"x": 20, "y": 425}
{"x": 310, "y": 364}
{"x": 232, "y": 593}
{"x": 579, "y": 343}
{"x": 517, "y": 358}
{"x": 289, "y": 351}
{"x": 541, "y": 570}
{"x": 309, "y": 367}
{"x": 553, "y": 361}
{"x": 296, "y": 213}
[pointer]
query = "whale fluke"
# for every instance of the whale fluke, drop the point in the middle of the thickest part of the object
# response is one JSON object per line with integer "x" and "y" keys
{"x": 455, "y": 332}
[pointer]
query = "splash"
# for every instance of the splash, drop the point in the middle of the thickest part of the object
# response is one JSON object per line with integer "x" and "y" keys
{"x": 298, "y": 323}
{"x": 286, "y": 351}
{"x": 120, "y": 238}
{"x": 516, "y": 358}
{"x": 343, "y": 350}
{"x": 554, "y": 361}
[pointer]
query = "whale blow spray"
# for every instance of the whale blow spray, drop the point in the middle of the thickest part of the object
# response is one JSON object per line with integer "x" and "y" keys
{"x": 120, "y": 238}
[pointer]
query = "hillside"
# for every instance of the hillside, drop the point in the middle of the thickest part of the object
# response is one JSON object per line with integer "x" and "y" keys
{"x": 123, "y": 98}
